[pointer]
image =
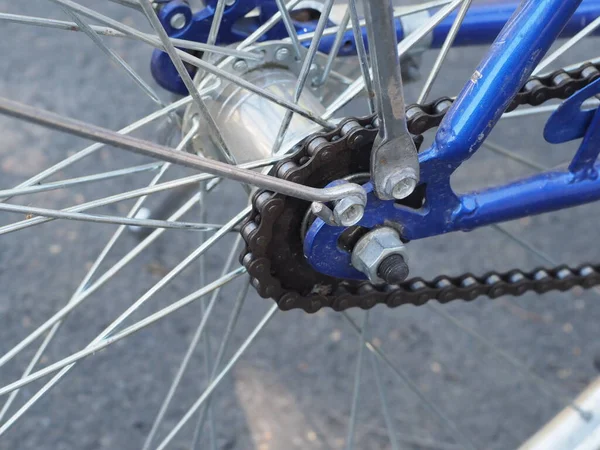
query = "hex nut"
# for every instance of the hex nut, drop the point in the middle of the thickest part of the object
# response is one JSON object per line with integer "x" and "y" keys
{"x": 373, "y": 248}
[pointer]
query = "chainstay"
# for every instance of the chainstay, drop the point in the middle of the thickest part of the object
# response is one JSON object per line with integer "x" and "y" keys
{"x": 322, "y": 148}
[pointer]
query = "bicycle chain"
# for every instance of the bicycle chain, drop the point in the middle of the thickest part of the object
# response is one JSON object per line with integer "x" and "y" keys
{"x": 272, "y": 249}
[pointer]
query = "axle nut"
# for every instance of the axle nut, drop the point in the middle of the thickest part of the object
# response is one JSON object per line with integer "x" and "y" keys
{"x": 381, "y": 256}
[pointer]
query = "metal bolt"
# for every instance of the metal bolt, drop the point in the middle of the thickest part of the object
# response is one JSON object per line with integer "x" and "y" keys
{"x": 393, "y": 269}
{"x": 282, "y": 54}
{"x": 349, "y": 211}
{"x": 240, "y": 65}
{"x": 375, "y": 254}
{"x": 178, "y": 21}
{"x": 400, "y": 185}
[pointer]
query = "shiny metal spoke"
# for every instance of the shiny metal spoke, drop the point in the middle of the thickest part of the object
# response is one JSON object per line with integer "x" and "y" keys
{"x": 357, "y": 380}
{"x": 113, "y": 220}
{"x": 134, "y": 4}
{"x": 567, "y": 45}
{"x": 197, "y": 62}
{"x": 362, "y": 54}
{"x": 383, "y": 398}
{"x": 335, "y": 48}
{"x": 548, "y": 388}
{"x": 289, "y": 26}
{"x": 405, "y": 379}
{"x": 404, "y": 46}
{"x": 216, "y": 22}
{"x": 198, "y": 334}
{"x": 526, "y": 245}
{"x": 437, "y": 65}
{"x": 537, "y": 110}
{"x": 217, "y": 380}
{"x": 111, "y": 32}
{"x": 113, "y": 56}
{"x": 206, "y": 344}
{"x": 99, "y": 344}
{"x": 512, "y": 155}
{"x": 233, "y": 318}
{"x": 304, "y": 71}
{"x": 64, "y": 184}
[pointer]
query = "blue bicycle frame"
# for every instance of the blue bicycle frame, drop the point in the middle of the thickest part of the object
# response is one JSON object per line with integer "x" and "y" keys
{"x": 518, "y": 49}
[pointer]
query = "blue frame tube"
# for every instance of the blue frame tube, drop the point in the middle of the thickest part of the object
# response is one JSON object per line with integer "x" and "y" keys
{"x": 484, "y": 21}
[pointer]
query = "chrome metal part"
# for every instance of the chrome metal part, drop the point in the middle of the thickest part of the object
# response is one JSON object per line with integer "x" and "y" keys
{"x": 374, "y": 248}
{"x": 394, "y": 162}
{"x": 241, "y": 115}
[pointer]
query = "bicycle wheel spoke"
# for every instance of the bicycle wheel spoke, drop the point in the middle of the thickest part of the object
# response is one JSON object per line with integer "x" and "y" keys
{"x": 134, "y": 4}
{"x": 548, "y": 388}
{"x": 66, "y": 363}
{"x": 398, "y": 12}
{"x": 304, "y": 71}
{"x": 405, "y": 379}
{"x": 211, "y": 387}
{"x": 63, "y": 184}
{"x": 362, "y": 54}
{"x": 404, "y": 46}
{"x": 514, "y": 156}
{"x": 335, "y": 48}
{"x": 111, "y": 32}
{"x": 536, "y": 110}
{"x": 357, "y": 379}
{"x": 207, "y": 348}
{"x": 146, "y": 223}
{"x": 567, "y": 45}
{"x": 384, "y": 403}
{"x": 289, "y": 26}
{"x": 526, "y": 245}
{"x": 113, "y": 56}
{"x": 190, "y": 349}
{"x": 437, "y": 65}
{"x": 235, "y": 313}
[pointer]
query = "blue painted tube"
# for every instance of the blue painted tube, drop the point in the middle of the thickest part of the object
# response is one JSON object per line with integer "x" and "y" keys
{"x": 519, "y": 48}
{"x": 484, "y": 21}
{"x": 542, "y": 193}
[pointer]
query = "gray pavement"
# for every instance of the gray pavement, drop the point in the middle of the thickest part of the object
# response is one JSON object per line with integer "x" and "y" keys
{"x": 292, "y": 389}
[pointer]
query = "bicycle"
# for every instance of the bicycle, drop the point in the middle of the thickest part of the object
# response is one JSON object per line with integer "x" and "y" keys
{"x": 335, "y": 220}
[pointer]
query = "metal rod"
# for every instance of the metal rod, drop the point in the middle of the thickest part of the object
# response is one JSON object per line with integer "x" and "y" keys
{"x": 462, "y": 12}
{"x": 77, "y": 128}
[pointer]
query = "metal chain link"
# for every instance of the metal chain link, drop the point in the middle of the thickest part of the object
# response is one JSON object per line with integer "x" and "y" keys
{"x": 263, "y": 252}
